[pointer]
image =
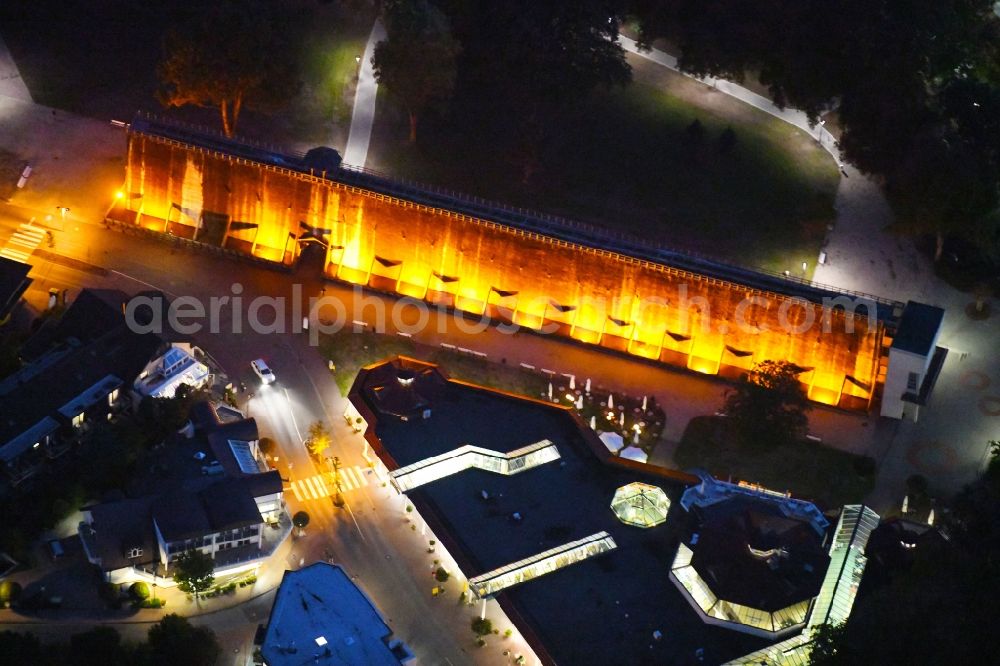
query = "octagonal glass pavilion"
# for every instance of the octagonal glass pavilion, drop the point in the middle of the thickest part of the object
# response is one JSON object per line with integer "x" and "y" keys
{"x": 640, "y": 505}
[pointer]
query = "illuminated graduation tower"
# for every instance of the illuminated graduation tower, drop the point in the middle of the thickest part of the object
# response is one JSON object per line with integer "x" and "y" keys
{"x": 510, "y": 264}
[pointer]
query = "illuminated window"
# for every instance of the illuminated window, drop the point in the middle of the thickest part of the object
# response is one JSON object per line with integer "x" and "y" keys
{"x": 78, "y": 420}
{"x": 112, "y": 397}
{"x": 640, "y": 505}
{"x": 545, "y": 562}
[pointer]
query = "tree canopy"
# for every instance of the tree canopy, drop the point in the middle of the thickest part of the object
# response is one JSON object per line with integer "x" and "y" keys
{"x": 174, "y": 640}
{"x": 195, "y": 572}
{"x": 319, "y": 438}
{"x": 524, "y": 63}
{"x": 768, "y": 405}
{"x": 940, "y": 609}
{"x": 416, "y": 61}
{"x": 916, "y": 86}
{"x": 237, "y": 53}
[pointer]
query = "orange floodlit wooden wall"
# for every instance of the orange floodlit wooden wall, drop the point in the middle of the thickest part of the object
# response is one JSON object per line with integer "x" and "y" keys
{"x": 476, "y": 266}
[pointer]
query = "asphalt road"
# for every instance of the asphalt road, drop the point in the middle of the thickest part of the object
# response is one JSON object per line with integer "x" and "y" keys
{"x": 370, "y": 537}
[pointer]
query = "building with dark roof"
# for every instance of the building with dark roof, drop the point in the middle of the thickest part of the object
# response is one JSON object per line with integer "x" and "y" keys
{"x": 237, "y": 521}
{"x": 752, "y": 561}
{"x": 914, "y": 361}
{"x": 539, "y": 515}
{"x": 232, "y": 438}
{"x": 321, "y": 617}
{"x": 81, "y": 371}
{"x": 14, "y": 281}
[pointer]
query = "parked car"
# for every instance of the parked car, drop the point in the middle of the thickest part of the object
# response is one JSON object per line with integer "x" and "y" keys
{"x": 261, "y": 370}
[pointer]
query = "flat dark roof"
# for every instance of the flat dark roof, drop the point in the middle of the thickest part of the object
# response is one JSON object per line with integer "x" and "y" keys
{"x": 602, "y": 610}
{"x": 918, "y": 327}
{"x": 14, "y": 281}
{"x": 321, "y": 617}
{"x": 40, "y": 389}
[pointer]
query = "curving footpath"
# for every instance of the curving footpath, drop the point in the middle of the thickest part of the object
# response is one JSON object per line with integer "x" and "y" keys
{"x": 861, "y": 252}
{"x": 363, "y": 114}
{"x": 791, "y": 116}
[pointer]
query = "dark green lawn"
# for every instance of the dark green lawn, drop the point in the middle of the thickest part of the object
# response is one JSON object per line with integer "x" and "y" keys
{"x": 810, "y": 471}
{"x": 623, "y": 159}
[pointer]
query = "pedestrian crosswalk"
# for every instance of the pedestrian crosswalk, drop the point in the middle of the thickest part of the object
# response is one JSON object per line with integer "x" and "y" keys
{"x": 24, "y": 241}
{"x": 324, "y": 485}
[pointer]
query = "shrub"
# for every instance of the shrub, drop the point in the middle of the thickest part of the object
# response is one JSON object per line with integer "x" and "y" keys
{"x": 108, "y": 591}
{"x": 917, "y": 485}
{"x": 481, "y": 626}
{"x": 727, "y": 140}
{"x": 695, "y": 131}
{"x": 481, "y": 642}
{"x": 139, "y": 591}
{"x": 409, "y": 508}
{"x": 441, "y": 575}
{"x": 508, "y": 633}
{"x": 10, "y": 592}
{"x": 864, "y": 466}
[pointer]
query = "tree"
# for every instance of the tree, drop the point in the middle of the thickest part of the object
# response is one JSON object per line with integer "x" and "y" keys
{"x": 18, "y": 648}
{"x": 416, "y": 61}
{"x": 10, "y": 592}
{"x": 319, "y": 438}
{"x": 482, "y": 626}
{"x": 825, "y": 650}
{"x": 727, "y": 140}
{"x": 768, "y": 406}
{"x": 338, "y": 498}
{"x": 194, "y": 572}
{"x": 266, "y": 445}
{"x": 922, "y": 616}
{"x": 917, "y": 93}
{"x": 101, "y": 646}
{"x": 236, "y": 53}
{"x": 300, "y": 520}
{"x": 173, "y": 640}
{"x": 524, "y": 64}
